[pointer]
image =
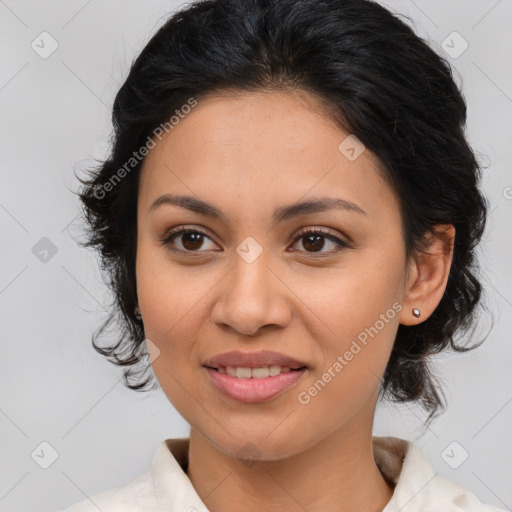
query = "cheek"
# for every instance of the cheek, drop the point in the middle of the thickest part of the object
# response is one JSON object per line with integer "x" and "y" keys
{"x": 357, "y": 318}
{"x": 169, "y": 294}
{"x": 354, "y": 296}
{"x": 172, "y": 300}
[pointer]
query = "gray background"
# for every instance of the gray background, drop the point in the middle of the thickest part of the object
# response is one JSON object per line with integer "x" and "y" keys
{"x": 54, "y": 388}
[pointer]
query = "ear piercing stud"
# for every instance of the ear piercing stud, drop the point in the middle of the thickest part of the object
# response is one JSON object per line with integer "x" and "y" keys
{"x": 416, "y": 312}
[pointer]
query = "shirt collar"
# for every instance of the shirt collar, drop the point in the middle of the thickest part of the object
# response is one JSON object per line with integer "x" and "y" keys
{"x": 401, "y": 463}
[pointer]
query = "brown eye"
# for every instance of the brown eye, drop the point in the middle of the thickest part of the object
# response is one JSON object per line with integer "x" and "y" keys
{"x": 191, "y": 239}
{"x": 188, "y": 240}
{"x": 314, "y": 240}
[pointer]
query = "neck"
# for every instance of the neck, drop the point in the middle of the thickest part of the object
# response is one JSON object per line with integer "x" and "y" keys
{"x": 337, "y": 474}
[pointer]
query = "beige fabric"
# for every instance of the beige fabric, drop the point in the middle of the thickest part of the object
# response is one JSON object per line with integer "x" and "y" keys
{"x": 167, "y": 488}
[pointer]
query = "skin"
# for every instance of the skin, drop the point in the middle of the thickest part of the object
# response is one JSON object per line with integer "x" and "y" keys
{"x": 248, "y": 154}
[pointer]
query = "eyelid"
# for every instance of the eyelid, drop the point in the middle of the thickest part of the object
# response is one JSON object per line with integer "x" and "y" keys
{"x": 174, "y": 232}
{"x": 317, "y": 229}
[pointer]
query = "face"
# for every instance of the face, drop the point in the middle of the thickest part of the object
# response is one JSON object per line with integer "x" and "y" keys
{"x": 253, "y": 281}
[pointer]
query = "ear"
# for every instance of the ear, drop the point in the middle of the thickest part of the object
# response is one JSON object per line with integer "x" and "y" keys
{"x": 427, "y": 275}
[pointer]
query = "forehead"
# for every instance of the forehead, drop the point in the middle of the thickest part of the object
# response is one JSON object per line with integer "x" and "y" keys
{"x": 277, "y": 146}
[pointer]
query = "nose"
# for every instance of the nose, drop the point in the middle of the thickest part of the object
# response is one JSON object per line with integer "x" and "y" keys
{"x": 252, "y": 297}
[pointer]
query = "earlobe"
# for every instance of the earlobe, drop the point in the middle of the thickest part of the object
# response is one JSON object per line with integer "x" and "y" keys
{"x": 428, "y": 275}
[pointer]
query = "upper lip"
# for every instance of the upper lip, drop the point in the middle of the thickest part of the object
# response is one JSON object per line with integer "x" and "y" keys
{"x": 253, "y": 360}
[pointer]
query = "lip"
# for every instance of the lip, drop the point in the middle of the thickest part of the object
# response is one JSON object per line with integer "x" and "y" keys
{"x": 258, "y": 359}
{"x": 254, "y": 390}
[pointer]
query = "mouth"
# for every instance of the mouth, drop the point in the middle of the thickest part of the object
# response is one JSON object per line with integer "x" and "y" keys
{"x": 263, "y": 372}
{"x": 253, "y": 385}
{"x": 261, "y": 362}
{"x": 251, "y": 377}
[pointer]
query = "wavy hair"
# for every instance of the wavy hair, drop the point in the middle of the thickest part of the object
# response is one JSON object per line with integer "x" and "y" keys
{"x": 377, "y": 79}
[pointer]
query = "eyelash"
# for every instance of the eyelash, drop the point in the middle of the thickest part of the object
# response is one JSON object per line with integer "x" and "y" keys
{"x": 167, "y": 240}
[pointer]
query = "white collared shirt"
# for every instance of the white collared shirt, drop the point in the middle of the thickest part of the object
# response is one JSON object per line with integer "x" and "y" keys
{"x": 167, "y": 488}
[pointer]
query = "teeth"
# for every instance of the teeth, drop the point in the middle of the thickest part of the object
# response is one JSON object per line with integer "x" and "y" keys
{"x": 260, "y": 373}
{"x": 255, "y": 373}
{"x": 243, "y": 373}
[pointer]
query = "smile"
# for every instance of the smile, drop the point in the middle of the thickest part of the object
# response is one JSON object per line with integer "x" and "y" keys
{"x": 252, "y": 385}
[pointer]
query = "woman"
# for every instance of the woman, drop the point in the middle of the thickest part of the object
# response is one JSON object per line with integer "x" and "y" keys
{"x": 288, "y": 219}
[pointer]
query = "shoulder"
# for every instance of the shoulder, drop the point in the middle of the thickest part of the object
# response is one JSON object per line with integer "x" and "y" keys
{"x": 164, "y": 486}
{"x": 417, "y": 487}
{"x": 134, "y": 496}
{"x": 458, "y": 498}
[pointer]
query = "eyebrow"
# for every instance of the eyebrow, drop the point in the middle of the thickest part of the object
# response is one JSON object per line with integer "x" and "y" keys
{"x": 281, "y": 214}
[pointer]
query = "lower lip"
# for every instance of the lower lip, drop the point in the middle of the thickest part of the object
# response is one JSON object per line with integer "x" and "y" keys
{"x": 251, "y": 390}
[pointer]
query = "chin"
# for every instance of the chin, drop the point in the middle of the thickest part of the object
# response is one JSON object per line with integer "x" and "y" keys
{"x": 258, "y": 445}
